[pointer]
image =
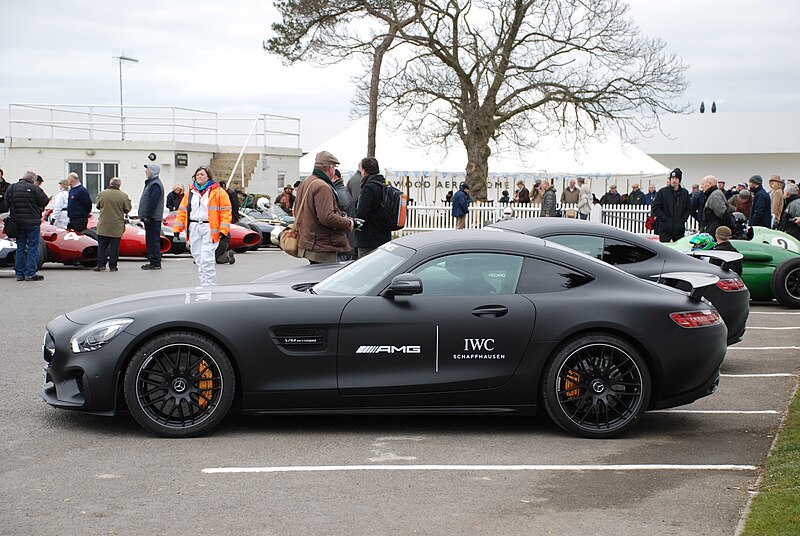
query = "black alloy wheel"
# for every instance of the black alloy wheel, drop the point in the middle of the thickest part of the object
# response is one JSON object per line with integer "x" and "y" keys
{"x": 786, "y": 283}
{"x": 179, "y": 384}
{"x": 596, "y": 386}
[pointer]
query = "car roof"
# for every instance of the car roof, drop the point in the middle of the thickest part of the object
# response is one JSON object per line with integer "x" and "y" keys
{"x": 469, "y": 239}
{"x": 560, "y": 225}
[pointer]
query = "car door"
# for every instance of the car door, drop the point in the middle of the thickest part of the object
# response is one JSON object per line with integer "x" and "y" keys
{"x": 467, "y": 330}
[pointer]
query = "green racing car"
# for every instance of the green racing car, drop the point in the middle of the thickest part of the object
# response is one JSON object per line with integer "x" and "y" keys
{"x": 770, "y": 267}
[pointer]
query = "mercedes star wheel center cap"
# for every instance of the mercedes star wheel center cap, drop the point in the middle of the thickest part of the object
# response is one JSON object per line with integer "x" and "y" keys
{"x": 179, "y": 385}
{"x": 598, "y": 386}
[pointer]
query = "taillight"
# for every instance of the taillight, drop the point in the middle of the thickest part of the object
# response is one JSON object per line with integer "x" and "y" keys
{"x": 696, "y": 319}
{"x": 731, "y": 285}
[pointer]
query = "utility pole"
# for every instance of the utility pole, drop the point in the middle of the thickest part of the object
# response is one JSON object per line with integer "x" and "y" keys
{"x": 122, "y": 57}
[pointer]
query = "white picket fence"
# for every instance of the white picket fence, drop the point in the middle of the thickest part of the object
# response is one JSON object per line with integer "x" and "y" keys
{"x": 432, "y": 217}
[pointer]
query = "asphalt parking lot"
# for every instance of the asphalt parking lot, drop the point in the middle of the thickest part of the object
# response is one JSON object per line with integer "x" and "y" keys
{"x": 684, "y": 471}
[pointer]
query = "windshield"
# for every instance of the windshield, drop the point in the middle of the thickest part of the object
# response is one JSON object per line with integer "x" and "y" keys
{"x": 358, "y": 278}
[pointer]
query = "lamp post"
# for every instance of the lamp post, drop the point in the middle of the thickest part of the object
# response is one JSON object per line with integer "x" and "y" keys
{"x": 122, "y": 57}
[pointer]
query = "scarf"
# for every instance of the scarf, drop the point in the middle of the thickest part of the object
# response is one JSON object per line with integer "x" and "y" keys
{"x": 203, "y": 188}
{"x": 321, "y": 174}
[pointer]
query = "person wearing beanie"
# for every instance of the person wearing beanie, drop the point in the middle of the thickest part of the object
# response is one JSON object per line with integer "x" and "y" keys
{"x": 671, "y": 208}
{"x": 760, "y": 214}
{"x": 151, "y": 212}
{"x": 723, "y": 237}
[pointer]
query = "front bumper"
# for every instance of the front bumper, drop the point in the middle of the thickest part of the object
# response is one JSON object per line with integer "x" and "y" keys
{"x": 86, "y": 382}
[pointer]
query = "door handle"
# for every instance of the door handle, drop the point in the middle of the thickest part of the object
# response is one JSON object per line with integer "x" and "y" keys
{"x": 493, "y": 311}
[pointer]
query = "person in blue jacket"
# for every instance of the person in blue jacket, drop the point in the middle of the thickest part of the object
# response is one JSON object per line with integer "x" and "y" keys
{"x": 79, "y": 204}
{"x": 461, "y": 205}
{"x": 760, "y": 212}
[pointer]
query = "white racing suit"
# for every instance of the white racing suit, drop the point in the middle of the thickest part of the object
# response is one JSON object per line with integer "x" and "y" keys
{"x": 201, "y": 243}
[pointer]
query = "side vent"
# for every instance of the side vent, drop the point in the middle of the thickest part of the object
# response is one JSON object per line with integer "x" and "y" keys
{"x": 302, "y": 339}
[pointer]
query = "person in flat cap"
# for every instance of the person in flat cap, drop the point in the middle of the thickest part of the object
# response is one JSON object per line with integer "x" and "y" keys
{"x": 321, "y": 226}
{"x": 522, "y": 195}
{"x": 760, "y": 214}
{"x": 611, "y": 197}
{"x": 671, "y": 207}
{"x": 151, "y": 212}
{"x": 776, "y": 184}
{"x": 636, "y": 196}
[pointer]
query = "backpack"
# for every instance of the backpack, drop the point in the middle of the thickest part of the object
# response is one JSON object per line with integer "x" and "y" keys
{"x": 394, "y": 206}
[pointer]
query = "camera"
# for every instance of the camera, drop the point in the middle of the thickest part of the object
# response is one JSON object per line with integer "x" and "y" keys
{"x": 358, "y": 224}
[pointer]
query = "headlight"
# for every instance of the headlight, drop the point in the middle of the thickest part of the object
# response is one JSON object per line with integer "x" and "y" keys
{"x": 97, "y": 335}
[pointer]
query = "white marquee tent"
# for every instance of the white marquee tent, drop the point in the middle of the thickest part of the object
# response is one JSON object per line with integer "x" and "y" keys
{"x": 428, "y": 173}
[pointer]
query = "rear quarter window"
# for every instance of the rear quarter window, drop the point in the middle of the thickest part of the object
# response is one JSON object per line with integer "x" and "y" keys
{"x": 540, "y": 276}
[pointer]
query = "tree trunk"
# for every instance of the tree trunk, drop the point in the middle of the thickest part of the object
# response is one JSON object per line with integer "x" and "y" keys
{"x": 477, "y": 166}
{"x": 374, "y": 86}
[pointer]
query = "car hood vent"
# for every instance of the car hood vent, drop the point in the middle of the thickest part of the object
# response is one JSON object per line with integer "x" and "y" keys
{"x": 302, "y": 339}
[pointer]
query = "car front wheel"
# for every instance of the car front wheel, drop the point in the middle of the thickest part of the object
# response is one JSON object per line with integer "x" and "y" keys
{"x": 179, "y": 384}
{"x": 596, "y": 386}
{"x": 786, "y": 283}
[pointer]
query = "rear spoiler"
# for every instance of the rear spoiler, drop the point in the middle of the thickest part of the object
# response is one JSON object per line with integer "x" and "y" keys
{"x": 697, "y": 281}
{"x": 724, "y": 259}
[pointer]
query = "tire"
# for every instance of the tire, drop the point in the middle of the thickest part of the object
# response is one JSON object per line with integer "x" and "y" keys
{"x": 785, "y": 283}
{"x": 42, "y": 254}
{"x": 596, "y": 386}
{"x": 179, "y": 384}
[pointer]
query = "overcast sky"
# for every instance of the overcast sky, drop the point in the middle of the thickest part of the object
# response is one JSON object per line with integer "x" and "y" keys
{"x": 207, "y": 54}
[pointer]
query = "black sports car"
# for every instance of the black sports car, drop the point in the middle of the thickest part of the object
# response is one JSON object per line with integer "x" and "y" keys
{"x": 643, "y": 258}
{"x": 439, "y": 322}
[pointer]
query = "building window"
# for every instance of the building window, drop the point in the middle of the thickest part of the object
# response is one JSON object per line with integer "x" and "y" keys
{"x": 281, "y": 180}
{"x": 94, "y": 175}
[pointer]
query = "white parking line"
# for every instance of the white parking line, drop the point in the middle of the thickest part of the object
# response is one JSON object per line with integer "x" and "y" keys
{"x": 720, "y": 411}
{"x": 763, "y": 347}
{"x": 631, "y": 467}
{"x": 769, "y": 375}
{"x": 777, "y": 329}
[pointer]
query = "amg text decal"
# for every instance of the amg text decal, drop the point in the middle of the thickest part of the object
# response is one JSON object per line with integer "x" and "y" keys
{"x": 389, "y": 349}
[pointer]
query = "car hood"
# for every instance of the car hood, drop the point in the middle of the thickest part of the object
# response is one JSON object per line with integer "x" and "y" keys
{"x": 138, "y": 304}
{"x": 309, "y": 273}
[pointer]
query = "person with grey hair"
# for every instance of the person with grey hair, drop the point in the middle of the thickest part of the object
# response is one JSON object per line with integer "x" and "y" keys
{"x": 790, "y": 218}
{"x": 113, "y": 204}
{"x": 715, "y": 211}
{"x": 26, "y": 201}
{"x": 79, "y": 204}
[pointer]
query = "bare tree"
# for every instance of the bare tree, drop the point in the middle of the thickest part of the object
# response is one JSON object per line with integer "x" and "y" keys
{"x": 485, "y": 71}
{"x": 327, "y": 32}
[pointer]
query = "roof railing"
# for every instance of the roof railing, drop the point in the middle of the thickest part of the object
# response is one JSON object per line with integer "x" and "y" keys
{"x": 147, "y": 123}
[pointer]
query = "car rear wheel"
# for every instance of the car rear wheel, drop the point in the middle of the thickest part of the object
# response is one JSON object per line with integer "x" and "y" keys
{"x": 786, "y": 283}
{"x": 596, "y": 386}
{"x": 179, "y": 384}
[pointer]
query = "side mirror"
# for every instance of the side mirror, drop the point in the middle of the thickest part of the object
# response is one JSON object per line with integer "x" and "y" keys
{"x": 404, "y": 285}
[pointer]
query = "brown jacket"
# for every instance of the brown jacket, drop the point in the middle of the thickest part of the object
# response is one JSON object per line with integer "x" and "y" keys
{"x": 776, "y": 201}
{"x": 319, "y": 223}
{"x": 113, "y": 204}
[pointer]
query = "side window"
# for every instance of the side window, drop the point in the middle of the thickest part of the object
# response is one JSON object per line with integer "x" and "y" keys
{"x": 618, "y": 252}
{"x": 543, "y": 276}
{"x": 590, "y": 245}
{"x": 470, "y": 274}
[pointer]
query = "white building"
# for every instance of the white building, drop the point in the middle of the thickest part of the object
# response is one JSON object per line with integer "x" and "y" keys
{"x": 99, "y": 143}
{"x": 731, "y": 146}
